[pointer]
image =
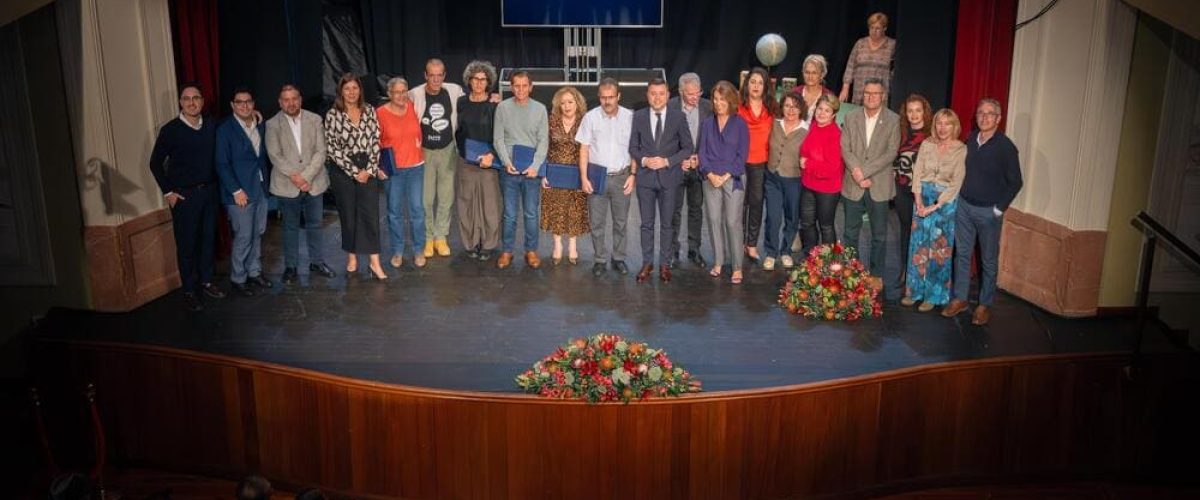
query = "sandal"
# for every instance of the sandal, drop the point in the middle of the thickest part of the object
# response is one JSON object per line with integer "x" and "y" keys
{"x": 715, "y": 272}
{"x": 736, "y": 278}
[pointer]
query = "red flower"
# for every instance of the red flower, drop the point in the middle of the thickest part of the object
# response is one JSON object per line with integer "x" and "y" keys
{"x": 837, "y": 248}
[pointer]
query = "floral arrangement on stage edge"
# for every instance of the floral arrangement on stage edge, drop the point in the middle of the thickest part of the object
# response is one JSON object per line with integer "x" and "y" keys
{"x": 832, "y": 284}
{"x": 605, "y": 367}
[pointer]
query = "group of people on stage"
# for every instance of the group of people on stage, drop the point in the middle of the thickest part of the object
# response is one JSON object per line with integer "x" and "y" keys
{"x": 729, "y": 159}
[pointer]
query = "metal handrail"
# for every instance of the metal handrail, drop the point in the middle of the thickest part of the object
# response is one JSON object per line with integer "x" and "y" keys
{"x": 1153, "y": 231}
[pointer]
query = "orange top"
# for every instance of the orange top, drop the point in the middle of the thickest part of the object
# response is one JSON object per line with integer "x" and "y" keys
{"x": 760, "y": 133}
{"x": 402, "y": 134}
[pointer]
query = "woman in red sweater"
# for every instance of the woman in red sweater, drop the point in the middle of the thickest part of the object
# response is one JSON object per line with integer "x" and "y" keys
{"x": 758, "y": 110}
{"x": 821, "y": 170}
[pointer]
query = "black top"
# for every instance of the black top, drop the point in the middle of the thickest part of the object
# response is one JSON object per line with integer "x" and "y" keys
{"x": 993, "y": 172}
{"x": 183, "y": 157}
{"x": 474, "y": 121}
{"x": 436, "y": 131}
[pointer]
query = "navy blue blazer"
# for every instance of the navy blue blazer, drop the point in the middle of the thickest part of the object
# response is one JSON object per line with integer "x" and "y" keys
{"x": 238, "y": 166}
{"x": 675, "y": 144}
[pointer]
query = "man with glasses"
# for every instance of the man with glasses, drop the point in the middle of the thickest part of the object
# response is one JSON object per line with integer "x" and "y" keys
{"x": 603, "y": 139}
{"x": 182, "y": 164}
{"x": 992, "y": 180}
{"x": 242, "y": 170}
{"x": 434, "y": 103}
{"x": 696, "y": 109}
{"x": 870, "y": 140}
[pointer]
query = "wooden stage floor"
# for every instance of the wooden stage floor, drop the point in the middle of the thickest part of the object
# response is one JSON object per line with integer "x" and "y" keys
{"x": 462, "y": 324}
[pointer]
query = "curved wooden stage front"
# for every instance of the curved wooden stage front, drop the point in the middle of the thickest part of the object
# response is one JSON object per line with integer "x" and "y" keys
{"x": 994, "y": 420}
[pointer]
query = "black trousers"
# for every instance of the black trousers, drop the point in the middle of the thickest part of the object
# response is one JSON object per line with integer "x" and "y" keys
{"x": 904, "y": 211}
{"x": 194, "y": 221}
{"x": 753, "y": 215}
{"x": 692, "y": 190}
{"x": 358, "y": 209}
{"x": 816, "y": 218}
{"x": 656, "y": 191}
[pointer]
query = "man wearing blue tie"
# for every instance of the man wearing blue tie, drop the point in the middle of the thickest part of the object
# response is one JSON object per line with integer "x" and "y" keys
{"x": 242, "y": 169}
{"x": 659, "y": 144}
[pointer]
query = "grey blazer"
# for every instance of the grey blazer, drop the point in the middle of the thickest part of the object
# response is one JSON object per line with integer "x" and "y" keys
{"x": 706, "y": 111}
{"x": 876, "y": 160}
{"x": 286, "y": 159}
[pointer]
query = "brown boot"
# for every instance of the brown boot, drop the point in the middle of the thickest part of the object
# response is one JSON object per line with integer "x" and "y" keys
{"x": 981, "y": 316}
{"x": 954, "y": 307}
{"x": 504, "y": 261}
{"x": 532, "y": 260}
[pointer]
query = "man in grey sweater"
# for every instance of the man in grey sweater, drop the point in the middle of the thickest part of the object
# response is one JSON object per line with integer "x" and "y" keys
{"x": 521, "y": 122}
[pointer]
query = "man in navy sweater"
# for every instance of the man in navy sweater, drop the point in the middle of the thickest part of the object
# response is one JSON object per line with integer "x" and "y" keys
{"x": 182, "y": 164}
{"x": 992, "y": 181}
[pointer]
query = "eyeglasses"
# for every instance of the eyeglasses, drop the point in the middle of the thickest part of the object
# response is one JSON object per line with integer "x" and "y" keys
{"x": 986, "y": 113}
{"x": 876, "y": 94}
{"x": 187, "y": 98}
{"x": 479, "y": 78}
{"x": 243, "y": 101}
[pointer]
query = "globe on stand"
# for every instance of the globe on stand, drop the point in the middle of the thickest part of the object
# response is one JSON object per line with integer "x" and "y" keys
{"x": 770, "y": 49}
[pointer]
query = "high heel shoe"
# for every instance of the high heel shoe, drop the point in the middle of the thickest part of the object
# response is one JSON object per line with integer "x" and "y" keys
{"x": 573, "y": 260}
{"x": 378, "y": 275}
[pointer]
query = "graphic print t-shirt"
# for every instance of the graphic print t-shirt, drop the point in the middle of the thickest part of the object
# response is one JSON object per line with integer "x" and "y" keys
{"x": 435, "y": 123}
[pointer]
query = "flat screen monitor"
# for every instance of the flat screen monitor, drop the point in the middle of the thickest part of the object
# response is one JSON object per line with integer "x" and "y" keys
{"x": 581, "y": 13}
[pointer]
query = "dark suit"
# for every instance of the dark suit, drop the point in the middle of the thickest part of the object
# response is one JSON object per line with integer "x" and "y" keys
{"x": 656, "y": 189}
{"x": 692, "y": 187}
{"x": 240, "y": 167}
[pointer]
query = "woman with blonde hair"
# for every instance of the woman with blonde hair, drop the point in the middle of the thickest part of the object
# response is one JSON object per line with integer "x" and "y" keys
{"x": 937, "y": 176}
{"x": 565, "y": 211}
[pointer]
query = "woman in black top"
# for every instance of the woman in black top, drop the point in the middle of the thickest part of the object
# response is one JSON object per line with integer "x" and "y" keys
{"x": 477, "y": 191}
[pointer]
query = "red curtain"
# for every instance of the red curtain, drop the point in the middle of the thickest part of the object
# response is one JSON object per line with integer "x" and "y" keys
{"x": 197, "y": 48}
{"x": 983, "y": 56}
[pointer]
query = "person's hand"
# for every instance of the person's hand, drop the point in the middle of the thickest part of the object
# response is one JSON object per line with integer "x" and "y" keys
{"x": 585, "y": 185}
{"x": 485, "y": 160}
{"x": 306, "y": 187}
{"x": 802, "y": 160}
{"x": 511, "y": 170}
{"x": 240, "y": 199}
{"x": 857, "y": 175}
{"x": 865, "y": 184}
{"x": 545, "y": 183}
{"x": 715, "y": 180}
{"x": 362, "y": 176}
{"x": 297, "y": 179}
{"x": 531, "y": 172}
{"x": 381, "y": 175}
{"x": 173, "y": 198}
{"x": 844, "y": 96}
{"x": 494, "y": 98}
{"x": 629, "y": 183}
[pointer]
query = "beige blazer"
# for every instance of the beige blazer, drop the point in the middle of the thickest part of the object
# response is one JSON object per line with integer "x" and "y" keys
{"x": 876, "y": 160}
{"x": 286, "y": 158}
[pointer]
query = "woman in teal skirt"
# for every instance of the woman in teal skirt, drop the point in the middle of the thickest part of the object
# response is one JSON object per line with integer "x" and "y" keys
{"x": 937, "y": 176}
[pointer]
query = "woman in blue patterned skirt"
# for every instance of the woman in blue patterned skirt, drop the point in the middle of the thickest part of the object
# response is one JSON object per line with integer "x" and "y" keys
{"x": 937, "y": 176}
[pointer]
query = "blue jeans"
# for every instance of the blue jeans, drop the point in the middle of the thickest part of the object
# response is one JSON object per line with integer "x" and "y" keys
{"x": 248, "y": 224}
{"x": 406, "y": 188}
{"x": 527, "y": 192}
{"x": 783, "y": 207}
{"x": 310, "y": 207}
{"x": 973, "y": 221}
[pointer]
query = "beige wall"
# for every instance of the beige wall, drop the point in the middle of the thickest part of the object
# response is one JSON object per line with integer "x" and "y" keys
{"x": 1135, "y": 161}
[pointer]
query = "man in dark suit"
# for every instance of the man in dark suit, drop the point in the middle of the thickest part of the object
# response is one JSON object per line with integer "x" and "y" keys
{"x": 242, "y": 170}
{"x": 182, "y": 164}
{"x": 659, "y": 144}
{"x": 696, "y": 109}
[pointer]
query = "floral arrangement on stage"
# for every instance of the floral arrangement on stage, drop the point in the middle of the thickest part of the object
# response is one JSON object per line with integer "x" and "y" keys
{"x": 832, "y": 284}
{"x": 606, "y": 367}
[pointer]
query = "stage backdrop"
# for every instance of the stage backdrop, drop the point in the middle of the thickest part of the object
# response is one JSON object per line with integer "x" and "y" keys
{"x": 264, "y": 44}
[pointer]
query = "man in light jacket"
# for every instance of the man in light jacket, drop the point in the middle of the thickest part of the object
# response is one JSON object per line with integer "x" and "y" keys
{"x": 434, "y": 102}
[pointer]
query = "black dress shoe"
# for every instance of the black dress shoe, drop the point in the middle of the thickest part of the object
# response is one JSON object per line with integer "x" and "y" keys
{"x": 212, "y": 291}
{"x": 321, "y": 269}
{"x": 192, "y": 302}
{"x": 599, "y": 269}
{"x": 697, "y": 259}
{"x": 289, "y": 276}
{"x": 484, "y": 255}
{"x": 620, "y": 267}
{"x": 473, "y": 254}
{"x": 242, "y": 289}
{"x": 260, "y": 281}
{"x": 644, "y": 274}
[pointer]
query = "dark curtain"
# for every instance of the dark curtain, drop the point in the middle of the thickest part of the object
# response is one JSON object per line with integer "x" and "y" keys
{"x": 267, "y": 43}
{"x": 925, "y": 51}
{"x": 713, "y": 38}
{"x": 197, "y": 48}
{"x": 984, "y": 55}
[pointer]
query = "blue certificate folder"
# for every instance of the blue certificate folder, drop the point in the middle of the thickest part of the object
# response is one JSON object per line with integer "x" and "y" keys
{"x": 475, "y": 149}
{"x": 522, "y": 158}
{"x": 387, "y": 161}
{"x": 564, "y": 176}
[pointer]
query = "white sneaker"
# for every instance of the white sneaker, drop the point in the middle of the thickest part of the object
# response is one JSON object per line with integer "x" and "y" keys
{"x": 786, "y": 260}
{"x": 769, "y": 264}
